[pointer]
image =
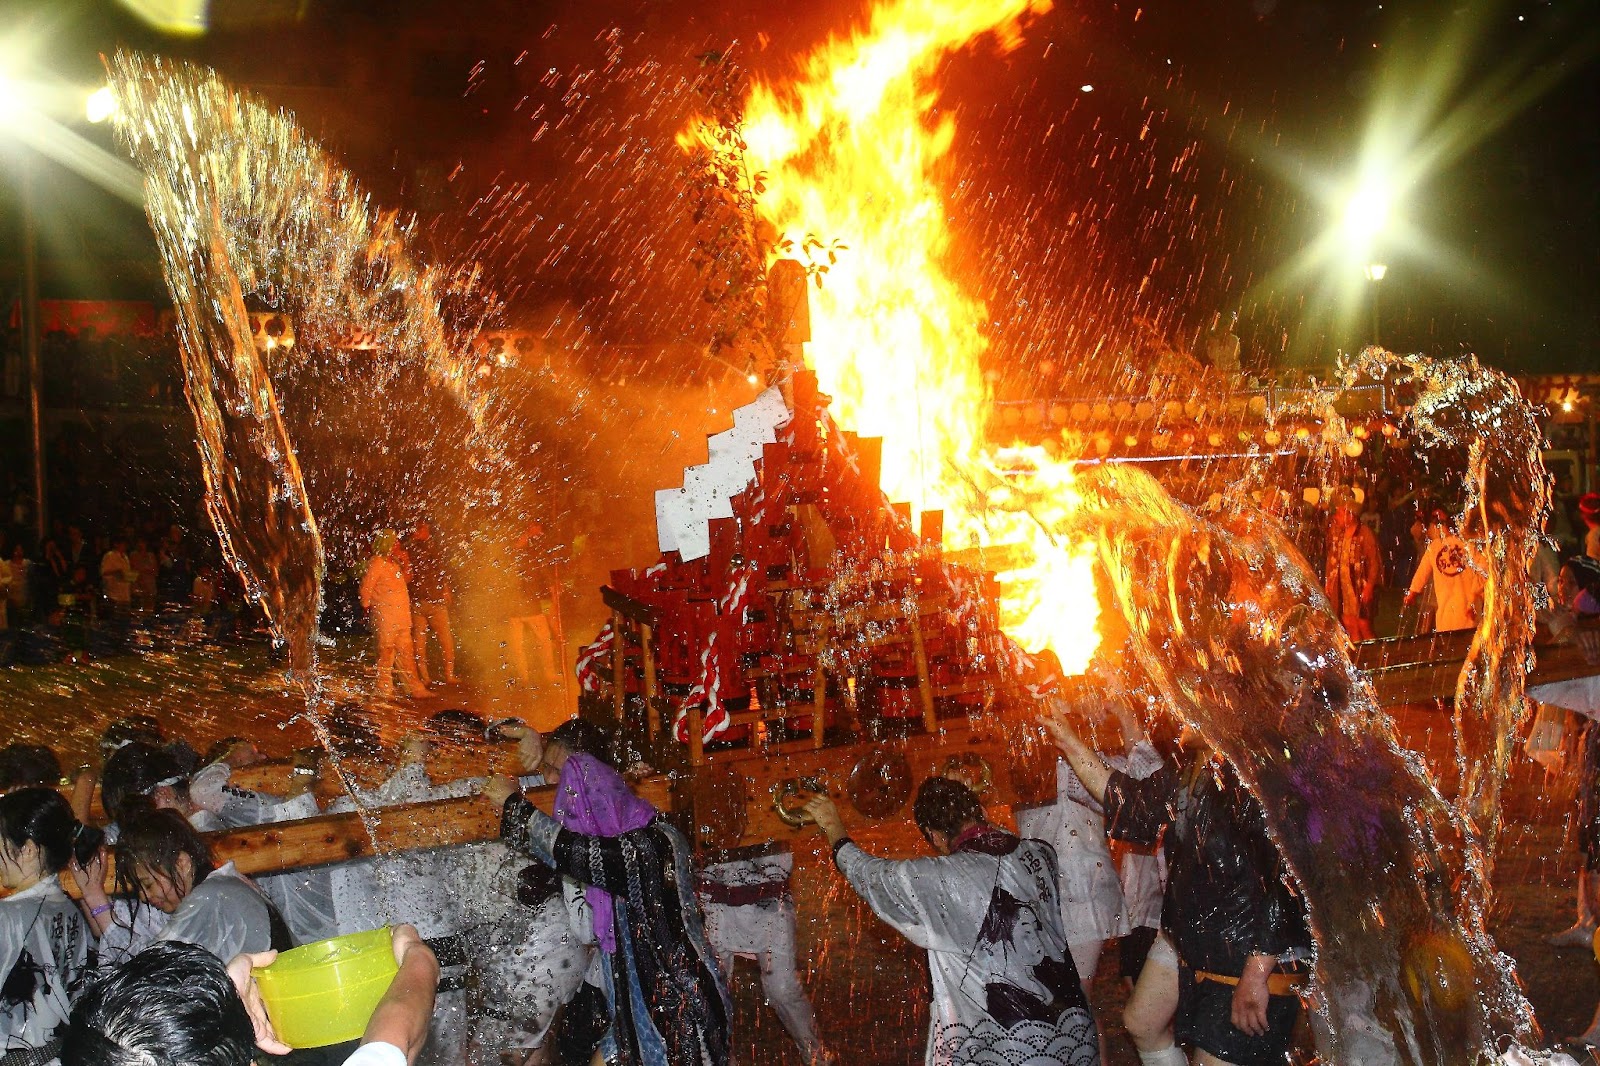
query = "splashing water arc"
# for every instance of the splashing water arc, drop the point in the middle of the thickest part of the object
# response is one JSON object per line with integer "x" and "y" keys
{"x": 244, "y": 203}
{"x": 849, "y": 153}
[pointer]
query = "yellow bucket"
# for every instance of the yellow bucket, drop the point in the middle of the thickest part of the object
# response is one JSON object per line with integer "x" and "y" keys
{"x": 325, "y": 993}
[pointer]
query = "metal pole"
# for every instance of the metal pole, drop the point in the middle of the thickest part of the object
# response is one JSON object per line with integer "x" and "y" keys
{"x": 1377, "y": 338}
{"x": 30, "y": 341}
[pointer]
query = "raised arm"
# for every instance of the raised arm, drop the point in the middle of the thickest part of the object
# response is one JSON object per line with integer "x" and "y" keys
{"x": 1084, "y": 760}
{"x": 885, "y": 884}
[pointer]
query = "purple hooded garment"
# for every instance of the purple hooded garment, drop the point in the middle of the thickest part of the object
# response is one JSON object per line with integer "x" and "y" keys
{"x": 593, "y": 799}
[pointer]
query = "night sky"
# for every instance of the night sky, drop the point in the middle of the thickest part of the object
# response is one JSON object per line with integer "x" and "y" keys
{"x": 1210, "y": 153}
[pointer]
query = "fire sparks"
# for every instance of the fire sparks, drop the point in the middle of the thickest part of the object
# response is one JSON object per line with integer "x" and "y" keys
{"x": 852, "y": 152}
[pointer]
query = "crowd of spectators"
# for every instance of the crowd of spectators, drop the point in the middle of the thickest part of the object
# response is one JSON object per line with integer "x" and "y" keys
{"x": 109, "y": 591}
{"x": 93, "y": 368}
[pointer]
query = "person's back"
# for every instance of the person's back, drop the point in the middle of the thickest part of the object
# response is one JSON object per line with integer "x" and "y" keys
{"x": 1225, "y": 896}
{"x": 988, "y": 912}
{"x": 227, "y": 914}
{"x": 383, "y": 589}
{"x": 429, "y": 582}
{"x": 1457, "y": 582}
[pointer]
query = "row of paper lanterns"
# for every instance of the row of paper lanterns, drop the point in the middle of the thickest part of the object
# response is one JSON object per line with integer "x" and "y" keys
{"x": 1102, "y": 442}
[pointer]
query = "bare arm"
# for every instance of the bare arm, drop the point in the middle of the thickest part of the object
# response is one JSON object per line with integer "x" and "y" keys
{"x": 404, "y": 1012}
{"x": 83, "y": 786}
{"x": 1084, "y": 760}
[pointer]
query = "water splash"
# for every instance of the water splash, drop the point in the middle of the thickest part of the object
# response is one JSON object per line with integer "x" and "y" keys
{"x": 244, "y": 204}
{"x": 1505, "y": 492}
{"x": 1228, "y": 627}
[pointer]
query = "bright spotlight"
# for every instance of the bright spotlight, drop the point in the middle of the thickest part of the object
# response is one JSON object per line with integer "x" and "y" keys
{"x": 12, "y": 97}
{"x": 1376, "y": 271}
{"x": 101, "y": 105}
{"x": 1366, "y": 214}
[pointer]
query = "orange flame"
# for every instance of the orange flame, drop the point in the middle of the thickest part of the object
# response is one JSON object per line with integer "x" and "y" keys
{"x": 851, "y": 153}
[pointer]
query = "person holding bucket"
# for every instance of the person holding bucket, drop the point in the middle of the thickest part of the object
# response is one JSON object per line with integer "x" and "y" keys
{"x": 176, "y": 1003}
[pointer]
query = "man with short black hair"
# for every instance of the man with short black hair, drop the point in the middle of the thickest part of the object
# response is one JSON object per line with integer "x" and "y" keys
{"x": 175, "y": 1004}
{"x": 986, "y": 908}
{"x": 171, "y": 1003}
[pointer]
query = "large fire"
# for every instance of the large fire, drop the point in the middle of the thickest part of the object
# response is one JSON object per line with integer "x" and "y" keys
{"x": 852, "y": 153}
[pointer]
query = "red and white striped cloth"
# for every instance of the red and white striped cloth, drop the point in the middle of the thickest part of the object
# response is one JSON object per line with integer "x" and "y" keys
{"x": 589, "y": 677}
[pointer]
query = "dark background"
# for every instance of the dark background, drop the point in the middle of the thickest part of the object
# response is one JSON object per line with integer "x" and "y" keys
{"x": 536, "y": 136}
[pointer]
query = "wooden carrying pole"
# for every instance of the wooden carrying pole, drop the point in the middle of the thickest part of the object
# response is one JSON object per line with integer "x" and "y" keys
{"x": 329, "y": 838}
{"x": 280, "y": 846}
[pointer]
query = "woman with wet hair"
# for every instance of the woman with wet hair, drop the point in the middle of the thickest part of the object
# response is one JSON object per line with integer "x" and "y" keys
{"x": 167, "y": 864}
{"x": 28, "y": 766}
{"x": 44, "y": 947}
{"x": 142, "y": 773}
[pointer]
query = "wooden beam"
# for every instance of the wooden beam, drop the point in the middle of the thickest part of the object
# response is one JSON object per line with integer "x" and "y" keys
{"x": 651, "y": 689}
{"x": 329, "y": 838}
{"x": 634, "y": 610}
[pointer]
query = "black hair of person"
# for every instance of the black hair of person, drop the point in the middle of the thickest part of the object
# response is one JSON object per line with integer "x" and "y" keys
{"x": 173, "y": 1004}
{"x": 586, "y": 738}
{"x": 136, "y": 727}
{"x": 1585, "y": 573}
{"x": 216, "y": 751}
{"x": 946, "y": 806}
{"x": 154, "y": 840}
{"x": 457, "y": 728}
{"x": 44, "y": 817}
{"x": 184, "y": 754}
{"x": 25, "y": 765}
{"x": 136, "y": 771}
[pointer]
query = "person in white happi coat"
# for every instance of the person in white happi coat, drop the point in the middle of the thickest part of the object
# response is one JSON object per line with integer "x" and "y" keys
{"x": 750, "y": 913}
{"x": 44, "y": 946}
{"x": 168, "y": 864}
{"x": 1093, "y": 907}
{"x": 987, "y": 910}
{"x": 410, "y": 886}
{"x": 541, "y": 953}
{"x": 303, "y": 897}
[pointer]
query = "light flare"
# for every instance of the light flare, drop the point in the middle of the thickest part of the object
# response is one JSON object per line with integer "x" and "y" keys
{"x": 851, "y": 152}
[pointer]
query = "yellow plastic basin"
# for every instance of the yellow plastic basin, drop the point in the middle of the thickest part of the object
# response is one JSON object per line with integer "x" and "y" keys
{"x": 324, "y": 993}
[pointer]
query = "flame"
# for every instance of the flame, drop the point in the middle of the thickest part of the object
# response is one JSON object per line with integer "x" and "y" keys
{"x": 852, "y": 152}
